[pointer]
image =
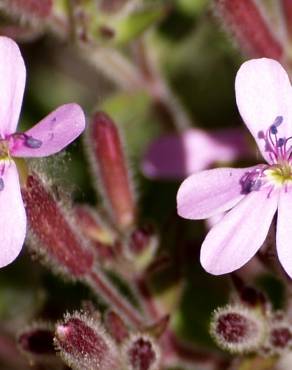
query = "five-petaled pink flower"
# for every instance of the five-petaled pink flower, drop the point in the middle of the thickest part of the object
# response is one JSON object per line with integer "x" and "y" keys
{"x": 251, "y": 195}
{"x": 49, "y": 136}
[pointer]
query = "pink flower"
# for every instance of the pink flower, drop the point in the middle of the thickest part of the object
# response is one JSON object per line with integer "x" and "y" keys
{"x": 49, "y": 136}
{"x": 176, "y": 156}
{"x": 251, "y": 195}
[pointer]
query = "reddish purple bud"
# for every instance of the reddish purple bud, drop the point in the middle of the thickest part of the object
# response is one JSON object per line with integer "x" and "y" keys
{"x": 287, "y": 13}
{"x": 53, "y": 233}
{"x": 140, "y": 352}
{"x": 37, "y": 8}
{"x": 238, "y": 329}
{"x": 109, "y": 163}
{"x": 245, "y": 21}
{"x": 116, "y": 326}
{"x": 280, "y": 335}
{"x": 83, "y": 344}
{"x": 142, "y": 246}
{"x": 37, "y": 340}
{"x": 92, "y": 225}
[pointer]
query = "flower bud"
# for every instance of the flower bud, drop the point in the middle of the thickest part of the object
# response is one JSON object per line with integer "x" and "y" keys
{"x": 92, "y": 225}
{"x": 37, "y": 340}
{"x": 142, "y": 246}
{"x": 251, "y": 31}
{"x": 140, "y": 352}
{"x": 279, "y": 339}
{"x": 116, "y": 326}
{"x": 53, "y": 234}
{"x": 36, "y": 8}
{"x": 83, "y": 344}
{"x": 109, "y": 163}
{"x": 238, "y": 329}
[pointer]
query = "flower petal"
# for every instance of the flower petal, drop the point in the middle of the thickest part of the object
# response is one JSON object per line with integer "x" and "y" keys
{"x": 12, "y": 77}
{"x": 12, "y": 217}
{"x": 210, "y": 192}
{"x": 55, "y": 132}
{"x": 284, "y": 231}
{"x": 178, "y": 156}
{"x": 263, "y": 92}
{"x": 235, "y": 239}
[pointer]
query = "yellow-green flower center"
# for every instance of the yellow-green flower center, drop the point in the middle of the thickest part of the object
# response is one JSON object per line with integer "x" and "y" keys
{"x": 280, "y": 173}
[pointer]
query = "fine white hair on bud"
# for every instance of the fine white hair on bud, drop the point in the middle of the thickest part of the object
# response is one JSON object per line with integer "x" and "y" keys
{"x": 279, "y": 338}
{"x": 238, "y": 329}
{"x": 83, "y": 344}
{"x": 140, "y": 352}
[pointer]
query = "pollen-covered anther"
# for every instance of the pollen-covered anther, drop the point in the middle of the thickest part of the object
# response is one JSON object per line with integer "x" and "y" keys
{"x": 238, "y": 329}
{"x": 140, "y": 352}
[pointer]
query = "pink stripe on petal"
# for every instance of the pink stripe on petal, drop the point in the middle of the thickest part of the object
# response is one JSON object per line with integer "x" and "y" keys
{"x": 55, "y": 132}
{"x": 177, "y": 156}
{"x": 284, "y": 231}
{"x": 12, "y": 217}
{"x": 211, "y": 192}
{"x": 235, "y": 239}
{"x": 263, "y": 92}
{"x": 12, "y": 83}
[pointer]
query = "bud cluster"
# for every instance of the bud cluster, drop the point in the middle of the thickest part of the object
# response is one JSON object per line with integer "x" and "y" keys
{"x": 84, "y": 343}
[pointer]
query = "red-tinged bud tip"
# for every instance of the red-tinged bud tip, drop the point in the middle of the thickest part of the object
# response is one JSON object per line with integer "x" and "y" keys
{"x": 83, "y": 344}
{"x": 109, "y": 163}
{"x": 251, "y": 31}
{"x": 116, "y": 326}
{"x": 141, "y": 352}
{"x": 112, "y": 5}
{"x": 37, "y": 341}
{"x": 238, "y": 329}
{"x": 37, "y": 8}
{"x": 53, "y": 234}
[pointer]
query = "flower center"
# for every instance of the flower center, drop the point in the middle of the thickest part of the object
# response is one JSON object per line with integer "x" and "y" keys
{"x": 280, "y": 173}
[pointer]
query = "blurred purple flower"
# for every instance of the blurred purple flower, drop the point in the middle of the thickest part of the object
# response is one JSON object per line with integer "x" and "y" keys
{"x": 49, "y": 136}
{"x": 176, "y": 156}
{"x": 264, "y": 99}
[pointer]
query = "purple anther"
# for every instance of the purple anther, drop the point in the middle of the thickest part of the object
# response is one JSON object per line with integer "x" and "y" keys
{"x": 274, "y": 129}
{"x": 32, "y": 143}
{"x": 278, "y": 121}
{"x": 251, "y": 182}
{"x": 280, "y": 142}
{"x": 1, "y": 184}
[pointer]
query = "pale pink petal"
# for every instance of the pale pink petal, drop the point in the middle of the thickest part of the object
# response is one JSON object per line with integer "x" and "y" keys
{"x": 177, "y": 156}
{"x": 54, "y": 132}
{"x": 263, "y": 92}
{"x": 235, "y": 239}
{"x": 12, "y": 83}
{"x": 284, "y": 231}
{"x": 12, "y": 216}
{"x": 211, "y": 192}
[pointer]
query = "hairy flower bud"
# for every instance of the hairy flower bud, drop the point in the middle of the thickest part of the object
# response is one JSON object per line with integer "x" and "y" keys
{"x": 279, "y": 337}
{"x": 238, "y": 329}
{"x": 251, "y": 31}
{"x": 140, "y": 352}
{"x": 83, "y": 344}
{"x": 53, "y": 234}
{"x": 109, "y": 163}
{"x": 142, "y": 246}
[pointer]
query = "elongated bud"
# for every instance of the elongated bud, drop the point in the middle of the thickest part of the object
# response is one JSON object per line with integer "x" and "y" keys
{"x": 141, "y": 352}
{"x": 36, "y": 8}
{"x": 53, "y": 234}
{"x": 142, "y": 246}
{"x": 251, "y": 31}
{"x": 37, "y": 340}
{"x": 109, "y": 163}
{"x": 238, "y": 329}
{"x": 92, "y": 225}
{"x": 116, "y": 326}
{"x": 287, "y": 13}
{"x": 84, "y": 345}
